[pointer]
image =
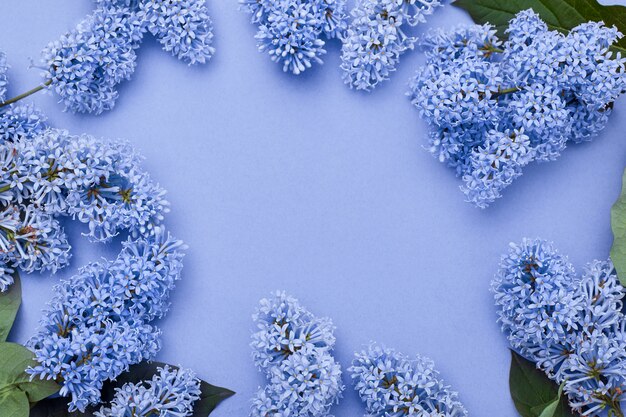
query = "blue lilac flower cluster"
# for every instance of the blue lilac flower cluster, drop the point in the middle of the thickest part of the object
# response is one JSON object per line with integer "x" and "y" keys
{"x": 392, "y": 385}
{"x": 494, "y": 107}
{"x": 86, "y": 65}
{"x": 291, "y": 31}
{"x": 571, "y": 326}
{"x": 98, "y": 323}
{"x": 4, "y": 67}
{"x": 54, "y": 173}
{"x": 171, "y": 392}
{"x": 293, "y": 348}
{"x": 30, "y": 239}
{"x": 377, "y": 36}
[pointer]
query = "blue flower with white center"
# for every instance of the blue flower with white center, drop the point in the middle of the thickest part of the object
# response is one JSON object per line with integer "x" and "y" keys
{"x": 4, "y": 67}
{"x": 97, "y": 325}
{"x": 524, "y": 27}
{"x": 293, "y": 348}
{"x": 171, "y": 392}
{"x": 21, "y": 121}
{"x": 554, "y": 87}
{"x": 6, "y": 277}
{"x": 305, "y": 383}
{"x": 375, "y": 39}
{"x": 86, "y": 65}
{"x": 32, "y": 240}
{"x": 392, "y": 385}
{"x": 572, "y": 327}
{"x": 183, "y": 27}
{"x": 495, "y": 165}
{"x": 537, "y": 279}
{"x": 595, "y": 372}
{"x": 97, "y": 182}
{"x": 292, "y": 31}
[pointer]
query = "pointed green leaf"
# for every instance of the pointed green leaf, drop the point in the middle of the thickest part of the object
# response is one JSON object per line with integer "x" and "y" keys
{"x": 9, "y": 304}
{"x": 533, "y": 393}
{"x": 618, "y": 225}
{"x": 210, "y": 397}
{"x": 561, "y": 15}
{"x": 14, "y": 403}
{"x": 14, "y": 360}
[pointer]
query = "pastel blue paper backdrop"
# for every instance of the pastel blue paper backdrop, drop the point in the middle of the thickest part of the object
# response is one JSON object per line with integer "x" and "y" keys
{"x": 298, "y": 183}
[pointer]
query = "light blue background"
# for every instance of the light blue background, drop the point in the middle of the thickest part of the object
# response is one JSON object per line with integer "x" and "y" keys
{"x": 298, "y": 183}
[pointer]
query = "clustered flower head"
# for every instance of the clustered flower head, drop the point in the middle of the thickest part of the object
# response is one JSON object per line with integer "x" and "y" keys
{"x": 4, "y": 67}
{"x": 571, "y": 326}
{"x": 98, "y": 323}
{"x": 377, "y": 37}
{"x": 86, "y": 65}
{"x": 292, "y": 31}
{"x": 171, "y": 392}
{"x": 495, "y": 107}
{"x": 392, "y": 385}
{"x": 46, "y": 173}
{"x": 293, "y": 348}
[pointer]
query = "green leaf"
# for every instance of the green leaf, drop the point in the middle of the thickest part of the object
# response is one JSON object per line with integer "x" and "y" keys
{"x": 14, "y": 403}
{"x": 14, "y": 359}
{"x": 56, "y": 407}
{"x": 550, "y": 410}
{"x": 210, "y": 396}
{"x": 561, "y": 15}
{"x": 533, "y": 394}
{"x": 9, "y": 304}
{"x": 618, "y": 225}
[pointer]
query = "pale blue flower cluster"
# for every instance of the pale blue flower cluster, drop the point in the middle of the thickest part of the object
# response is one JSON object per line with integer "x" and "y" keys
{"x": 294, "y": 350}
{"x": 98, "y": 323}
{"x": 86, "y": 65}
{"x": 392, "y": 385}
{"x": 4, "y": 66}
{"x": 183, "y": 27}
{"x": 377, "y": 37}
{"x": 98, "y": 182}
{"x": 494, "y": 107}
{"x": 292, "y": 31}
{"x": 171, "y": 392}
{"x": 572, "y": 327}
{"x": 19, "y": 121}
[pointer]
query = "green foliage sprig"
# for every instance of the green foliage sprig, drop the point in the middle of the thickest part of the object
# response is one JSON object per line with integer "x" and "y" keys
{"x": 561, "y": 15}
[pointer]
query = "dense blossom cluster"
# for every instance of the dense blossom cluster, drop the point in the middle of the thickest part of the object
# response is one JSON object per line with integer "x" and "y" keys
{"x": 171, "y": 392}
{"x": 572, "y": 327}
{"x": 392, "y": 385}
{"x": 48, "y": 173}
{"x": 377, "y": 36}
{"x": 183, "y": 27}
{"x": 292, "y": 31}
{"x": 494, "y": 107}
{"x": 86, "y": 65}
{"x": 98, "y": 323}
{"x": 4, "y": 66}
{"x": 293, "y": 348}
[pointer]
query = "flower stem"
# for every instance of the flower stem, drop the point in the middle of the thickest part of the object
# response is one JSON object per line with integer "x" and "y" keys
{"x": 506, "y": 91}
{"x": 26, "y": 94}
